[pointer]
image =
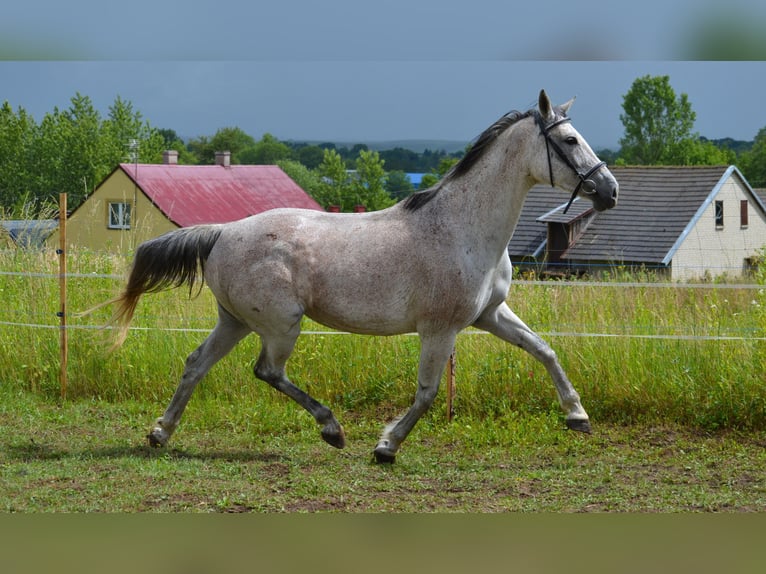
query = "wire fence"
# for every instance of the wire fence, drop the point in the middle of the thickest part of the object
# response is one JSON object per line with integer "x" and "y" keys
{"x": 568, "y": 331}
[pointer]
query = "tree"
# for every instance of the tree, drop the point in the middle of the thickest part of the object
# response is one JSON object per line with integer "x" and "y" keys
{"x": 656, "y": 121}
{"x": 310, "y": 156}
{"x": 398, "y": 185}
{"x": 370, "y": 184}
{"x": 70, "y": 151}
{"x": 753, "y": 162}
{"x": 334, "y": 186}
{"x": 431, "y": 179}
{"x": 695, "y": 151}
{"x": 18, "y": 132}
{"x": 172, "y": 141}
{"x": 126, "y": 137}
{"x": 308, "y": 180}
{"x": 268, "y": 151}
{"x": 230, "y": 139}
{"x": 71, "y": 158}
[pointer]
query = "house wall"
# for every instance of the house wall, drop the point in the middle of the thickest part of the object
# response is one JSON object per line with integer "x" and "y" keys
{"x": 713, "y": 250}
{"x": 88, "y": 226}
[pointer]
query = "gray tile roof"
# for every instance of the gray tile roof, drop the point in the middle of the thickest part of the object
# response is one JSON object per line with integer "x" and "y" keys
{"x": 530, "y": 233}
{"x": 656, "y": 205}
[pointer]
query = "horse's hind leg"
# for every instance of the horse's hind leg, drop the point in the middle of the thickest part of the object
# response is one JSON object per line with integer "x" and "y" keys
{"x": 504, "y": 323}
{"x": 227, "y": 333}
{"x": 270, "y": 367}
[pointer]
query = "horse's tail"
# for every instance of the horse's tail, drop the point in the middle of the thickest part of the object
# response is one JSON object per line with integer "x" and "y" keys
{"x": 170, "y": 260}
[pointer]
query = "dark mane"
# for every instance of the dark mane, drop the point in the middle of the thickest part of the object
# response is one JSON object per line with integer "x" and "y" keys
{"x": 472, "y": 156}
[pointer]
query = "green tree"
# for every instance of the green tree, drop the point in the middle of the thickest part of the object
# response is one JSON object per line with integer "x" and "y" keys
{"x": 308, "y": 180}
{"x": 398, "y": 185}
{"x": 431, "y": 179}
{"x": 656, "y": 122}
{"x": 334, "y": 188}
{"x": 310, "y": 156}
{"x": 694, "y": 151}
{"x": 230, "y": 139}
{"x": 127, "y": 137}
{"x": 18, "y": 133}
{"x": 69, "y": 152}
{"x": 268, "y": 151}
{"x": 370, "y": 184}
{"x": 172, "y": 141}
{"x": 753, "y": 162}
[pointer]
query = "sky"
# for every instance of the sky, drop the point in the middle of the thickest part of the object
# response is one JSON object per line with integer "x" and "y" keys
{"x": 343, "y": 70}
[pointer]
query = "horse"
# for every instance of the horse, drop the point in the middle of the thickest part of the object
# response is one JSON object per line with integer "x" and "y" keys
{"x": 432, "y": 264}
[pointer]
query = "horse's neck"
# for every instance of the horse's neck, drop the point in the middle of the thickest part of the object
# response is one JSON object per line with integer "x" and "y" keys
{"x": 484, "y": 204}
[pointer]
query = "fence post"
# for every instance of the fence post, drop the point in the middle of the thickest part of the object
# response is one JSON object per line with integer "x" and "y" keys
{"x": 61, "y": 251}
{"x": 450, "y": 386}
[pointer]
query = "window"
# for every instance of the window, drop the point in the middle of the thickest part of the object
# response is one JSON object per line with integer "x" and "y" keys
{"x": 119, "y": 215}
{"x": 719, "y": 214}
{"x": 743, "y": 215}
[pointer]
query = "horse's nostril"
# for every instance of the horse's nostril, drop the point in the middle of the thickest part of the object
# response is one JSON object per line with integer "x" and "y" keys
{"x": 614, "y": 193}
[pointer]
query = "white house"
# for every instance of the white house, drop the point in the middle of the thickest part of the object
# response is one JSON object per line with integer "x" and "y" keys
{"x": 686, "y": 222}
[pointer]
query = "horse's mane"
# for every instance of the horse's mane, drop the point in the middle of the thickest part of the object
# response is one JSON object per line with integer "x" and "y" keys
{"x": 472, "y": 156}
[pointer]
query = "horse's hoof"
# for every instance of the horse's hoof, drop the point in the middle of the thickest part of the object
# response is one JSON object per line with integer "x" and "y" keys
{"x": 334, "y": 437}
{"x": 384, "y": 456}
{"x": 155, "y": 440}
{"x": 579, "y": 425}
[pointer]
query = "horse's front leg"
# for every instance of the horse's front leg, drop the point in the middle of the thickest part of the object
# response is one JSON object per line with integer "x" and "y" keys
{"x": 504, "y": 323}
{"x": 434, "y": 354}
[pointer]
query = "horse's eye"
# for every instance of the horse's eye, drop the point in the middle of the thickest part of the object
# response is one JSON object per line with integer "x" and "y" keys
{"x": 571, "y": 140}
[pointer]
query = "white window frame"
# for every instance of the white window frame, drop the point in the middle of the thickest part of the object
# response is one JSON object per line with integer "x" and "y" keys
{"x": 119, "y": 215}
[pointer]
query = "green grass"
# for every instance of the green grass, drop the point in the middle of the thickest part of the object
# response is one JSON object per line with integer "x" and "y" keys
{"x": 623, "y": 379}
{"x": 679, "y": 424}
{"x": 90, "y": 456}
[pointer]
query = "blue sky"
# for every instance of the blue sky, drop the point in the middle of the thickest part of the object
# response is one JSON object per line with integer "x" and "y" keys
{"x": 352, "y": 71}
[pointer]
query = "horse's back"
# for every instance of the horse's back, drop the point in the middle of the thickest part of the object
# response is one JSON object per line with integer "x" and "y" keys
{"x": 353, "y": 272}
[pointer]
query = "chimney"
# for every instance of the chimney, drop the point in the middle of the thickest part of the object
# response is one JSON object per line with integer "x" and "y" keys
{"x": 223, "y": 158}
{"x": 170, "y": 157}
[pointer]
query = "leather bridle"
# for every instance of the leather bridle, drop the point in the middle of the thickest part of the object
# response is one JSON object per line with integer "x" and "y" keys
{"x": 588, "y": 185}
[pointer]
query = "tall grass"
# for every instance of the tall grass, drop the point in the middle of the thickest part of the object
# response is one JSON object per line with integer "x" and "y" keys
{"x": 623, "y": 371}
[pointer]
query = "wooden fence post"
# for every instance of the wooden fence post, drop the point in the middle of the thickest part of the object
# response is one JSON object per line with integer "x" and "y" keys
{"x": 450, "y": 386}
{"x": 64, "y": 342}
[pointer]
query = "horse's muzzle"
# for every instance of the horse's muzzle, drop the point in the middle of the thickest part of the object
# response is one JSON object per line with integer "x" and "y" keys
{"x": 606, "y": 197}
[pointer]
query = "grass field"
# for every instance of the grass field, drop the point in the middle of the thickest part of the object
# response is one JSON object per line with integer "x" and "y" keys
{"x": 674, "y": 384}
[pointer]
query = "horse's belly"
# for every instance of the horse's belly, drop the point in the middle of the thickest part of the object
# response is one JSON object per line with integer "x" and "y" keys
{"x": 363, "y": 317}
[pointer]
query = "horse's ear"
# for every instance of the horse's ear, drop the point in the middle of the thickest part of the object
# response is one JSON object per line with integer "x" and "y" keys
{"x": 544, "y": 106}
{"x": 564, "y": 108}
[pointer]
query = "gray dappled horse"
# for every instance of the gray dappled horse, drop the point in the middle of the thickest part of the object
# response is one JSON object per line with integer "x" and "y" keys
{"x": 433, "y": 264}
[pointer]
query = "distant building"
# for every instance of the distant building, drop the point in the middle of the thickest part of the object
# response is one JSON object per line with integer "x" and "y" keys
{"x": 26, "y": 232}
{"x": 415, "y": 179}
{"x": 139, "y": 201}
{"x": 686, "y": 222}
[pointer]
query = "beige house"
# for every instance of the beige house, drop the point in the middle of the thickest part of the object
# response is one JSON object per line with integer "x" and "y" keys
{"x": 139, "y": 201}
{"x": 684, "y": 222}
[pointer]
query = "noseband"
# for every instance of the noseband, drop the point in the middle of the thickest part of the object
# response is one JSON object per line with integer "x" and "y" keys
{"x": 588, "y": 185}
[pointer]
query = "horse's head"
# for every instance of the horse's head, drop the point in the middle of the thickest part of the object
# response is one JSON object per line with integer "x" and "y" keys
{"x": 571, "y": 163}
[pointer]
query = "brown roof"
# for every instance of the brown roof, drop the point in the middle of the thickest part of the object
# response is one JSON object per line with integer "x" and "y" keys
{"x": 194, "y": 194}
